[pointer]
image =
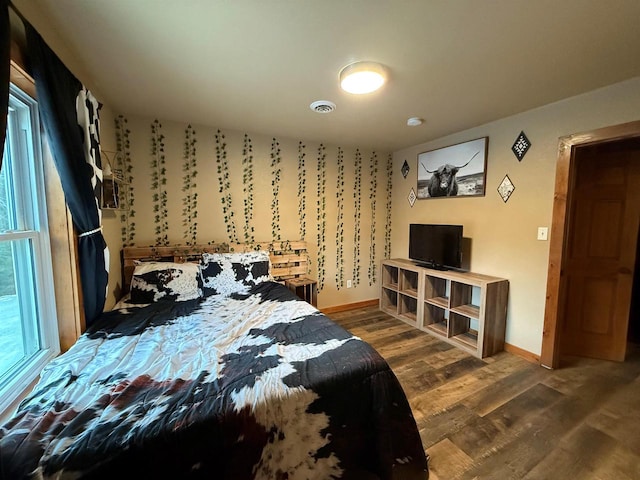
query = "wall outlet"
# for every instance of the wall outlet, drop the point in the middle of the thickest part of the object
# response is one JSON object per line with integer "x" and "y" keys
{"x": 543, "y": 233}
{"x": 349, "y": 284}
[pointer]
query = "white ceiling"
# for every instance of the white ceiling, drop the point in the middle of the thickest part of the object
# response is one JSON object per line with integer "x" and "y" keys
{"x": 256, "y": 65}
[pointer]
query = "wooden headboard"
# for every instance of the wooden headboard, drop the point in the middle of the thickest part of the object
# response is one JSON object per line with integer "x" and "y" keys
{"x": 288, "y": 259}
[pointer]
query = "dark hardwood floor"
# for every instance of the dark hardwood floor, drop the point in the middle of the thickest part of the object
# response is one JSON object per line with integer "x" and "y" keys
{"x": 506, "y": 418}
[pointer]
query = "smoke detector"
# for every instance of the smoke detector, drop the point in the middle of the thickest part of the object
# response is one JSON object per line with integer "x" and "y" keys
{"x": 323, "y": 106}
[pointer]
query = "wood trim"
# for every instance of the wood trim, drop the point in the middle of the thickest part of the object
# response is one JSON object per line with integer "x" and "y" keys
{"x": 20, "y": 78}
{"x": 75, "y": 269}
{"x": 520, "y": 352}
{"x": 63, "y": 258}
{"x": 18, "y": 71}
{"x": 350, "y": 306}
{"x": 556, "y": 248}
{"x": 565, "y": 168}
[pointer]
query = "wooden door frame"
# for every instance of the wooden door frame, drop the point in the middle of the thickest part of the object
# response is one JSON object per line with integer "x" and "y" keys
{"x": 565, "y": 177}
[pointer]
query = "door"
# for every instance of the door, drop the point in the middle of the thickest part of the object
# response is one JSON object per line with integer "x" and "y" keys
{"x": 599, "y": 261}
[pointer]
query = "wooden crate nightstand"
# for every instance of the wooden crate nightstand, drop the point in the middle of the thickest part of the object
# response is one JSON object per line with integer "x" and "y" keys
{"x": 305, "y": 288}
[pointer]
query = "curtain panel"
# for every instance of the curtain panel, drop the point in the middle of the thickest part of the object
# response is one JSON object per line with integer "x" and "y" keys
{"x": 5, "y": 41}
{"x": 69, "y": 113}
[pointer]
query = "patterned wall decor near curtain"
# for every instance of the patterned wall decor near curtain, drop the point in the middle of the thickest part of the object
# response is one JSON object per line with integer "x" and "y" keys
{"x": 276, "y": 173}
{"x": 69, "y": 113}
{"x": 387, "y": 223}
{"x": 321, "y": 215}
{"x": 357, "y": 201}
{"x": 302, "y": 191}
{"x": 128, "y": 229}
{"x": 224, "y": 179}
{"x": 5, "y": 40}
{"x": 190, "y": 198}
{"x": 159, "y": 185}
{"x": 340, "y": 220}
{"x": 373, "y": 194}
{"x": 247, "y": 188}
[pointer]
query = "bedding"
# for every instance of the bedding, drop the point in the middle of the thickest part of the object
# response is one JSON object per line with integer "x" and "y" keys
{"x": 153, "y": 281}
{"x": 225, "y": 273}
{"x": 256, "y": 384}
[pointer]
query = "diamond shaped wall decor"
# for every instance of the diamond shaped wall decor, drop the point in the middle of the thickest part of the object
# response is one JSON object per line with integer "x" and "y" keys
{"x": 520, "y": 146}
{"x": 412, "y": 197}
{"x": 405, "y": 169}
{"x": 506, "y": 188}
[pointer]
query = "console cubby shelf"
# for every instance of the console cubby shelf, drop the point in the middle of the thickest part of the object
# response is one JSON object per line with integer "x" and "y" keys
{"x": 468, "y": 310}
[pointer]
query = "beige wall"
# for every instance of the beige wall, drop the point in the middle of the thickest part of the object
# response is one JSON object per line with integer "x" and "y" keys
{"x": 503, "y": 235}
{"x": 211, "y": 223}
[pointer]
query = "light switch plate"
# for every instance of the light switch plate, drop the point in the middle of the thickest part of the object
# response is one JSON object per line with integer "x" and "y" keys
{"x": 543, "y": 233}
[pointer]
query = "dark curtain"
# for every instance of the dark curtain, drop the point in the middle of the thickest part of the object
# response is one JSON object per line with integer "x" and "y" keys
{"x": 5, "y": 40}
{"x": 69, "y": 114}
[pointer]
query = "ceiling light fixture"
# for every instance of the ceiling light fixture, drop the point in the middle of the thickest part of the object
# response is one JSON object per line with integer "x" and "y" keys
{"x": 362, "y": 77}
{"x": 415, "y": 121}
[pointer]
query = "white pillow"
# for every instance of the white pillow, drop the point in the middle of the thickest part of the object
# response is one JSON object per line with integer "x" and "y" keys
{"x": 226, "y": 273}
{"x": 153, "y": 281}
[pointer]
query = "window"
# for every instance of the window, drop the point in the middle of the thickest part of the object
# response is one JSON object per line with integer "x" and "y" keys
{"x": 28, "y": 325}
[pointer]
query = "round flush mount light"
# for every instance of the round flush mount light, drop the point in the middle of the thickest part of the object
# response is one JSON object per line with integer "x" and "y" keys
{"x": 362, "y": 77}
{"x": 323, "y": 106}
{"x": 415, "y": 121}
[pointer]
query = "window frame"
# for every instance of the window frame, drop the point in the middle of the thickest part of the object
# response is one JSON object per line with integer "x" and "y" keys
{"x": 27, "y": 136}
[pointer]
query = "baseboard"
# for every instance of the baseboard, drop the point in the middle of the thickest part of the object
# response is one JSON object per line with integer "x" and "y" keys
{"x": 351, "y": 306}
{"x": 531, "y": 357}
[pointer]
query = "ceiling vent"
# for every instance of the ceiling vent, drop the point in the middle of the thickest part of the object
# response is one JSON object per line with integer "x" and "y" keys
{"x": 323, "y": 106}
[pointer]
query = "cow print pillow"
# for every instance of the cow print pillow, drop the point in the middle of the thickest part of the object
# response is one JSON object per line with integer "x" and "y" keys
{"x": 153, "y": 281}
{"x": 227, "y": 273}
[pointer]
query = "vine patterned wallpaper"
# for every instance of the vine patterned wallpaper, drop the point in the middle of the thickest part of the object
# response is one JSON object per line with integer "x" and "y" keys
{"x": 159, "y": 185}
{"x": 357, "y": 200}
{"x": 321, "y": 215}
{"x": 340, "y": 221}
{"x": 373, "y": 194}
{"x": 198, "y": 184}
{"x": 123, "y": 163}
{"x": 190, "y": 198}
{"x": 247, "y": 188}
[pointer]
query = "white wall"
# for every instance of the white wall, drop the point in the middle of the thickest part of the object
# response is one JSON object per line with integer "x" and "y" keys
{"x": 503, "y": 235}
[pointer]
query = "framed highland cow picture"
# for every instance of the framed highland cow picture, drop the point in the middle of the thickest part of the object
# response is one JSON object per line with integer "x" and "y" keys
{"x": 456, "y": 171}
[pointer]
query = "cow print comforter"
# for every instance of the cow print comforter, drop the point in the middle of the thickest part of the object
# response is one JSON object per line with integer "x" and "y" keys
{"x": 255, "y": 386}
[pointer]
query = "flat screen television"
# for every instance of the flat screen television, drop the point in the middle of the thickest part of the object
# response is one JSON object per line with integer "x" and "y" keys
{"x": 436, "y": 246}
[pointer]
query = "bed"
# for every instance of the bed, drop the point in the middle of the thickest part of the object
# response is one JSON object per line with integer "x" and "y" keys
{"x": 242, "y": 380}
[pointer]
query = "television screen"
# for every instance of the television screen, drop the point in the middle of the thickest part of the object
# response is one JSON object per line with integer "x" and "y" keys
{"x": 436, "y": 246}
